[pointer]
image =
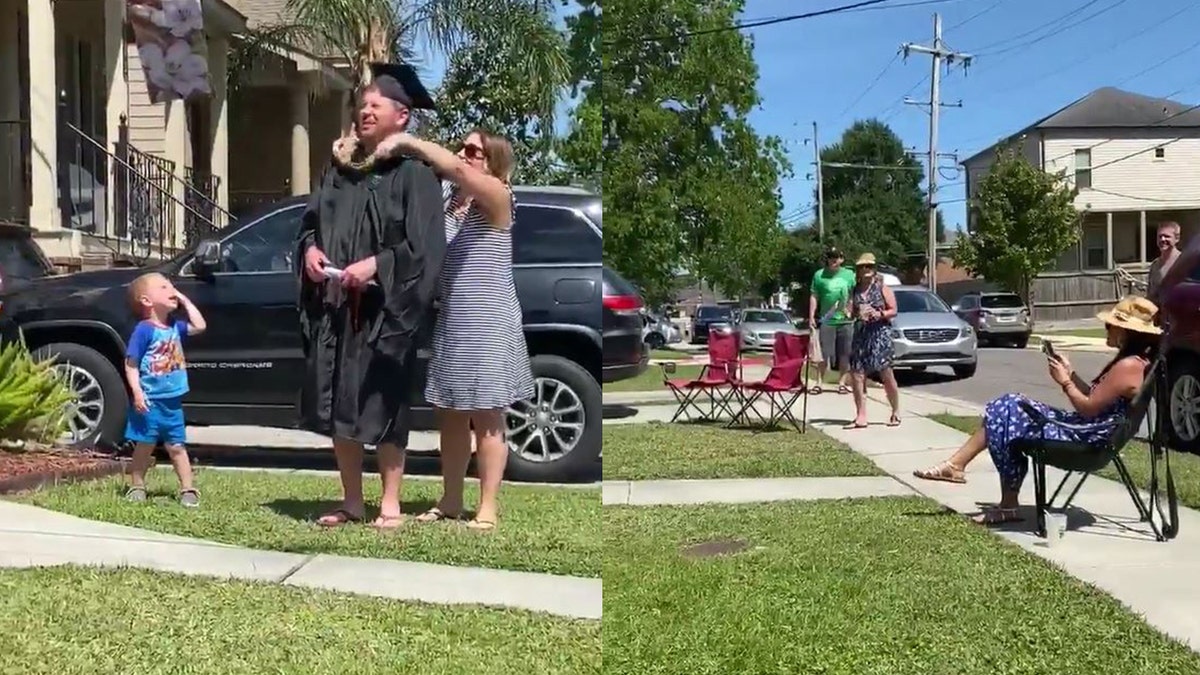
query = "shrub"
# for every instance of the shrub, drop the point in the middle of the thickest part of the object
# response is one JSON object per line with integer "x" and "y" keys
{"x": 34, "y": 397}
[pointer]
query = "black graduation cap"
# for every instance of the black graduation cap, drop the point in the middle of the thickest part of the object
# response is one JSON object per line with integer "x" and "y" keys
{"x": 399, "y": 82}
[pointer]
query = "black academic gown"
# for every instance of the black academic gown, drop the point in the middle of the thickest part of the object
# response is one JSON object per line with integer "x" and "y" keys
{"x": 360, "y": 354}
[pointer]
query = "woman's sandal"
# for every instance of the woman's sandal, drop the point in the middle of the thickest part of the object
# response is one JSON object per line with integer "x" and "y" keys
{"x": 855, "y": 425}
{"x": 997, "y": 516}
{"x": 944, "y": 472}
{"x": 434, "y": 515}
{"x": 894, "y": 420}
{"x": 843, "y": 389}
{"x": 481, "y": 525}
{"x": 338, "y": 517}
{"x": 389, "y": 522}
{"x": 816, "y": 389}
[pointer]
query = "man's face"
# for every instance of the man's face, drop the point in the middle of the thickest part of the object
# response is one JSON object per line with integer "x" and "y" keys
{"x": 1168, "y": 238}
{"x": 379, "y": 116}
{"x": 834, "y": 263}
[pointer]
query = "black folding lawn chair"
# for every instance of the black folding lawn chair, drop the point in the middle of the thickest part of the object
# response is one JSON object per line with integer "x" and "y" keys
{"x": 1082, "y": 460}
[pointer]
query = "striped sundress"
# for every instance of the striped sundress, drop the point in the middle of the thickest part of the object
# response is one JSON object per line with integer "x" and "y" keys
{"x": 479, "y": 359}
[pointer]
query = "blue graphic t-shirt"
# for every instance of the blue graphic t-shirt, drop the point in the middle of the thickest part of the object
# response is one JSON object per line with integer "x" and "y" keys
{"x": 158, "y": 353}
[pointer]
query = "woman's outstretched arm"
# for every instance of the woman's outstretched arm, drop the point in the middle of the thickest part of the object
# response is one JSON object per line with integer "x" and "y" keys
{"x": 490, "y": 193}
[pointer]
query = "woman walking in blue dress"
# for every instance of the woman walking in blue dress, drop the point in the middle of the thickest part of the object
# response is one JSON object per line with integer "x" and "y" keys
{"x": 480, "y": 364}
{"x": 873, "y": 306}
{"x": 1096, "y": 408}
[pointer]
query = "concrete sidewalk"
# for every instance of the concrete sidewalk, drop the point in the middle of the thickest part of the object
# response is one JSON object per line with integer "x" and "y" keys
{"x": 747, "y": 490}
{"x": 35, "y": 537}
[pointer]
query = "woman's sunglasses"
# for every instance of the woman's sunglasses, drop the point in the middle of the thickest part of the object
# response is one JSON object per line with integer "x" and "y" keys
{"x": 472, "y": 151}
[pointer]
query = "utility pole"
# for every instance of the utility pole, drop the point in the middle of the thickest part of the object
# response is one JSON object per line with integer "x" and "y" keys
{"x": 820, "y": 187}
{"x": 939, "y": 53}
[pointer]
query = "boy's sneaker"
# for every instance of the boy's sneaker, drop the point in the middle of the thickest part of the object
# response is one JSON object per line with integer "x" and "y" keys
{"x": 135, "y": 494}
{"x": 189, "y": 498}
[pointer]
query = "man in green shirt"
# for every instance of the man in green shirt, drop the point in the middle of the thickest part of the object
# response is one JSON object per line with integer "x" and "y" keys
{"x": 828, "y": 300}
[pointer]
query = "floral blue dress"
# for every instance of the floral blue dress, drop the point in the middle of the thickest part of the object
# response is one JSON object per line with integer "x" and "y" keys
{"x": 1004, "y": 422}
{"x": 871, "y": 349}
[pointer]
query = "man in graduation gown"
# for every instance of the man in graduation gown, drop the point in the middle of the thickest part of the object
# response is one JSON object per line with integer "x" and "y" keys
{"x": 372, "y": 242}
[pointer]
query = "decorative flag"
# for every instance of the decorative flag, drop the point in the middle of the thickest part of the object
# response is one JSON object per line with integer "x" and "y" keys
{"x": 169, "y": 35}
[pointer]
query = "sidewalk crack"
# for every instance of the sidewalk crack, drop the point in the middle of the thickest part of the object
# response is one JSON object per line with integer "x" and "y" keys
{"x": 295, "y": 568}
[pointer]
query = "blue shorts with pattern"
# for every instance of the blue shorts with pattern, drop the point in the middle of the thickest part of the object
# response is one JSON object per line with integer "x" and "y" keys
{"x": 162, "y": 422}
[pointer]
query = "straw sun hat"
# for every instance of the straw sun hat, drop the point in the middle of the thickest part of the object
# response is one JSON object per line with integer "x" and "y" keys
{"x": 1132, "y": 313}
{"x": 865, "y": 259}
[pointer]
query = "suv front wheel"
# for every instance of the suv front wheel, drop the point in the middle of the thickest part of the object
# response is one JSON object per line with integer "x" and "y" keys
{"x": 98, "y": 414}
{"x": 555, "y": 436}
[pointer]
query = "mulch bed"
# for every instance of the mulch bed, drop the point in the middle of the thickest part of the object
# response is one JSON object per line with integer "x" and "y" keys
{"x": 35, "y": 468}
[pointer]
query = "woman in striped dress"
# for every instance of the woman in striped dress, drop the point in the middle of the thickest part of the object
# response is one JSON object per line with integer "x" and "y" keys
{"x": 480, "y": 364}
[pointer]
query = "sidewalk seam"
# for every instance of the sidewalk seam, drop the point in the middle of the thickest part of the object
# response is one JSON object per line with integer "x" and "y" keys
{"x": 296, "y": 568}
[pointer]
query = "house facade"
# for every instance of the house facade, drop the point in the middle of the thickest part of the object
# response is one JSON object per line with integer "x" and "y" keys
{"x": 101, "y": 173}
{"x": 1133, "y": 159}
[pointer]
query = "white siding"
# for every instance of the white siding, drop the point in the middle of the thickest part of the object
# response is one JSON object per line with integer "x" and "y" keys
{"x": 1126, "y": 164}
{"x": 147, "y": 121}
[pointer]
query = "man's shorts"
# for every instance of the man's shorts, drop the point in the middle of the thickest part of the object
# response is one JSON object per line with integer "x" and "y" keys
{"x": 162, "y": 422}
{"x": 835, "y": 342}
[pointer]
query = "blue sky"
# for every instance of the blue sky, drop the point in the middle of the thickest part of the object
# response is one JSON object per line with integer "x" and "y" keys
{"x": 813, "y": 69}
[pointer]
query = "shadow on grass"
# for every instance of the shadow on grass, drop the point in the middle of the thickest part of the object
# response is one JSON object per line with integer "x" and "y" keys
{"x": 309, "y": 510}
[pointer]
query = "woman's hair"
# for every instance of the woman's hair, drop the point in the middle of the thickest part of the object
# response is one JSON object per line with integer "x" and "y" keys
{"x": 1136, "y": 343}
{"x": 498, "y": 152}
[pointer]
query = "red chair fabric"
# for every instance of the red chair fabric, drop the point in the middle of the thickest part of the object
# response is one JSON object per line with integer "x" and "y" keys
{"x": 782, "y": 386}
{"x": 717, "y": 383}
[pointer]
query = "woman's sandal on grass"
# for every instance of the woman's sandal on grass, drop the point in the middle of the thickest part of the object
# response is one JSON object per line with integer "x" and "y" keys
{"x": 338, "y": 517}
{"x": 944, "y": 472}
{"x": 389, "y": 522}
{"x": 481, "y": 525}
{"x": 435, "y": 515}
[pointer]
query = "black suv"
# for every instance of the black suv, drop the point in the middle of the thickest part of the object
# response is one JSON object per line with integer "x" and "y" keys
{"x": 707, "y": 316}
{"x": 21, "y": 259}
{"x": 247, "y": 368}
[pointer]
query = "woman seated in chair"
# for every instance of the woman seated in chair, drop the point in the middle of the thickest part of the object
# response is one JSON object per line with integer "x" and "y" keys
{"x": 1095, "y": 412}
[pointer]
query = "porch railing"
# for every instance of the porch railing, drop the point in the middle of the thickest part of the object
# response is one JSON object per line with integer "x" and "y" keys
{"x": 15, "y": 195}
{"x": 204, "y": 216}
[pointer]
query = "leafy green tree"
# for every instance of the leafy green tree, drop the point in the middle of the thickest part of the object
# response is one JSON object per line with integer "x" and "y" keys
{"x": 1025, "y": 219}
{"x": 687, "y": 181}
{"x": 879, "y": 210}
{"x": 484, "y": 87}
{"x": 580, "y": 151}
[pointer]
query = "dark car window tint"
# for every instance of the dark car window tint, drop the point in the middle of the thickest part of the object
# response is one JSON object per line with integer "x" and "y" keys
{"x": 265, "y": 246}
{"x": 543, "y": 235}
{"x": 919, "y": 301}
{"x": 19, "y": 259}
{"x": 1001, "y": 302}
{"x": 714, "y": 313}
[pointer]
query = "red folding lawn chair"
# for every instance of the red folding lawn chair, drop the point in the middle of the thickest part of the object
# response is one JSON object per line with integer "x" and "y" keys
{"x": 718, "y": 381}
{"x": 782, "y": 386}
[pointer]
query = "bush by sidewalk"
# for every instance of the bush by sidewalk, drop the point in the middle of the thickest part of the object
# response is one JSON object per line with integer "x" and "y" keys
{"x": 79, "y": 620}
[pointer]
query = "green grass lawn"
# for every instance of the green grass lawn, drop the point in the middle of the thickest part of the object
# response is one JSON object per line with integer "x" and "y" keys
{"x": 1185, "y": 467}
{"x": 880, "y": 586}
{"x": 656, "y": 450}
{"x": 541, "y": 529}
{"x": 72, "y": 620}
{"x": 1080, "y": 332}
{"x": 669, "y": 354}
{"x": 651, "y": 379}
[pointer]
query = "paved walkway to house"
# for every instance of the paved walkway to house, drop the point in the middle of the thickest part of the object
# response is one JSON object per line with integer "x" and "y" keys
{"x": 1105, "y": 544}
{"x": 35, "y": 537}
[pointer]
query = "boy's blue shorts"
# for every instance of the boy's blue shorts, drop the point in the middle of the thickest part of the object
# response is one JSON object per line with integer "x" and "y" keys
{"x": 162, "y": 422}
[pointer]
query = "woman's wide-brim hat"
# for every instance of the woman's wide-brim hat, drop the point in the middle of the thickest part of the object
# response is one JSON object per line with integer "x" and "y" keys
{"x": 866, "y": 259}
{"x": 1132, "y": 313}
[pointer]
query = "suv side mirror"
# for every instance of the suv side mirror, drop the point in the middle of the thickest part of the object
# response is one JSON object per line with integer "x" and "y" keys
{"x": 208, "y": 256}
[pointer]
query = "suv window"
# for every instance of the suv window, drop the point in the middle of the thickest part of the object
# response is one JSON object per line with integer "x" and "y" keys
{"x": 264, "y": 246}
{"x": 714, "y": 313}
{"x": 21, "y": 259}
{"x": 546, "y": 235}
{"x": 1006, "y": 301}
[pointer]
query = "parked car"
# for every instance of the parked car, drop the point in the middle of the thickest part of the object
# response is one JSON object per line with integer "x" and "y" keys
{"x": 927, "y": 333}
{"x": 707, "y": 316}
{"x": 21, "y": 259}
{"x": 247, "y": 368}
{"x": 757, "y": 327}
{"x": 659, "y": 331}
{"x": 997, "y": 317}
{"x": 1181, "y": 309}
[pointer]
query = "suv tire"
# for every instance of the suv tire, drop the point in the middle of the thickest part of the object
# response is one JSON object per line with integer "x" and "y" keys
{"x": 1183, "y": 376}
{"x": 114, "y": 401}
{"x": 963, "y": 372}
{"x": 1021, "y": 342}
{"x": 656, "y": 340}
{"x": 584, "y": 457}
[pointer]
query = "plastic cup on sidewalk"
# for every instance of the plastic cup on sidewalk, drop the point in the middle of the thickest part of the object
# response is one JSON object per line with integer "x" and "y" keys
{"x": 1056, "y": 528}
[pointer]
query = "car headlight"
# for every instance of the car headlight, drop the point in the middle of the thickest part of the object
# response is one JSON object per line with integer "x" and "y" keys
{"x": 966, "y": 332}
{"x": 896, "y": 335}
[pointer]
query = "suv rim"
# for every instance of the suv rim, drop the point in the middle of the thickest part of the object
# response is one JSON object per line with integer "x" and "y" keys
{"x": 548, "y": 426}
{"x": 1185, "y": 407}
{"x": 84, "y": 414}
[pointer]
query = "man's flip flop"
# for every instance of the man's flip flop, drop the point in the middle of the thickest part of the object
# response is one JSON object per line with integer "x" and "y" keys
{"x": 843, "y": 389}
{"x": 816, "y": 389}
{"x": 337, "y": 518}
{"x": 434, "y": 515}
{"x": 855, "y": 425}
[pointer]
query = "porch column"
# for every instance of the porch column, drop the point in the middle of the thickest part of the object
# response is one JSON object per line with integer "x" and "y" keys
{"x": 1108, "y": 241}
{"x": 301, "y": 159}
{"x": 175, "y": 146}
{"x": 117, "y": 103}
{"x": 1142, "y": 236}
{"x": 218, "y": 64}
{"x": 43, "y": 117}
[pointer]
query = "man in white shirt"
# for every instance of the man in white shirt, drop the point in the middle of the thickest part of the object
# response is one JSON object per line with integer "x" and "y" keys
{"x": 1168, "y": 254}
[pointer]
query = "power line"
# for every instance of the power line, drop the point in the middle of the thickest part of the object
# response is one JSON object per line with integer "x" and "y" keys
{"x": 1060, "y": 29}
{"x": 976, "y": 15}
{"x": 1037, "y": 28}
{"x": 857, "y": 99}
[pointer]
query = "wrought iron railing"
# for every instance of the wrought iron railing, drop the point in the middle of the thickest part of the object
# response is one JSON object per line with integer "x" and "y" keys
{"x": 15, "y": 176}
{"x": 203, "y": 217}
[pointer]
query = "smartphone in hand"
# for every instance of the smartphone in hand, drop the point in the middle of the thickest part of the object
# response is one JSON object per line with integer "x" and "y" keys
{"x": 1048, "y": 350}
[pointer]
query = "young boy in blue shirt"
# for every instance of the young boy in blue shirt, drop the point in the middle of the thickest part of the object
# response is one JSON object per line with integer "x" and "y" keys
{"x": 157, "y": 377}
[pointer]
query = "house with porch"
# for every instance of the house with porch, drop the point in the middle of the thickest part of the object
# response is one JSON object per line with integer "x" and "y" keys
{"x": 1133, "y": 159}
{"x": 104, "y": 175}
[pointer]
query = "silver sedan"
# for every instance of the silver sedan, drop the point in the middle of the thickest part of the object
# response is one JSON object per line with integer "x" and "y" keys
{"x": 927, "y": 333}
{"x": 757, "y": 327}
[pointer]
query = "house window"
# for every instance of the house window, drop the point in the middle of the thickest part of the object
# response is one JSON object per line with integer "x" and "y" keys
{"x": 1160, "y": 152}
{"x": 1094, "y": 247}
{"x": 1083, "y": 169}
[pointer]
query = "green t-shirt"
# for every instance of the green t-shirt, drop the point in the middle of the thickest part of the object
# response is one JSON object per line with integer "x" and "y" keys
{"x": 830, "y": 288}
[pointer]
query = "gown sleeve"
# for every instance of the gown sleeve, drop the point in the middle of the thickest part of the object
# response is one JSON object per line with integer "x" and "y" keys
{"x": 408, "y": 271}
{"x": 309, "y": 304}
